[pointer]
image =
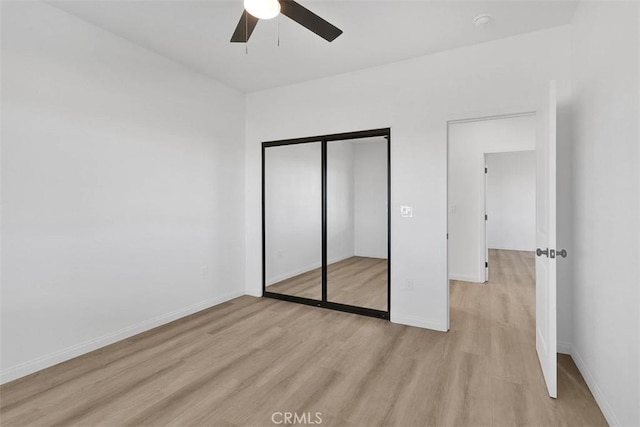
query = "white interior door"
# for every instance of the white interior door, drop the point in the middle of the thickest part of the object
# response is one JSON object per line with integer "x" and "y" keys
{"x": 546, "y": 340}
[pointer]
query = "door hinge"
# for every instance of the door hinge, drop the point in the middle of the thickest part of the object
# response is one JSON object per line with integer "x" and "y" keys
{"x": 486, "y": 217}
{"x": 486, "y": 265}
{"x": 486, "y": 170}
{"x": 447, "y": 235}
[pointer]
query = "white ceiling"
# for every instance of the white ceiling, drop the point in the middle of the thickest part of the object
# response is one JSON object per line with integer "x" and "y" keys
{"x": 197, "y": 33}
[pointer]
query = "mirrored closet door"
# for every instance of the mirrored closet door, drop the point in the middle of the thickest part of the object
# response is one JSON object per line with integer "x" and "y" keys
{"x": 293, "y": 219}
{"x": 357, "y": 218}
{"x": 325, "y": 216}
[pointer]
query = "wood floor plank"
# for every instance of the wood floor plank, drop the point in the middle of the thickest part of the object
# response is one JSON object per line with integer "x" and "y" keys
{"x": 357, "y": 281}
{"x": 237, "y": 363}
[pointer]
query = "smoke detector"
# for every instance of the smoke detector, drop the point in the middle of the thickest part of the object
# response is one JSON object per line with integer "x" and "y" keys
{"x": 482, "y": 20}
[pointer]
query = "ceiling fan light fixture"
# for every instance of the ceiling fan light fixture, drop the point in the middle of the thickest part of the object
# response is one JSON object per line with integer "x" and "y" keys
{"x": 262, "y": 9}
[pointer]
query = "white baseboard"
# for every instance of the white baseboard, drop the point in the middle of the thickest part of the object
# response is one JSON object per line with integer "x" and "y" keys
{"x": 464, "y": 278}
{"x": 43, "y": 362}
{"x": 606, "y": 409}
{"x": 293, "y": 273}
{"x": 564, "y": 347}
{"x": 418, "y": 322}
{"x": 371, "y": 255}
{"x": 516, "y": 249}
{"x": 253, "y": 293}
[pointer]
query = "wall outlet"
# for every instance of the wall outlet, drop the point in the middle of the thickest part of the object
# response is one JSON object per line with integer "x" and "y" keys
{"x": 408, "y": 285}
{"x": 406, "y": 211}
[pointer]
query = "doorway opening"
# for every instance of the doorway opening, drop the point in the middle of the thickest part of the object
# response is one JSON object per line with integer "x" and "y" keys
{"x": 510, "y": 203}
{"x": 509, "y": 316}
{"x": 471, "y": 191}
{"x": 491, "y": 235}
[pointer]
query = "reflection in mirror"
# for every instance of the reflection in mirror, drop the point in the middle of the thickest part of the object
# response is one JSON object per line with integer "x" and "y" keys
{"x": 357, "y": 211}
{"x": 293, "y": 219}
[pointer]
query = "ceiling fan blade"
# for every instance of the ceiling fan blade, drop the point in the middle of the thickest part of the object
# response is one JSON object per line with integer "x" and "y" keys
{"x": 245, "y": 27}
{"x": 310, "y": 20}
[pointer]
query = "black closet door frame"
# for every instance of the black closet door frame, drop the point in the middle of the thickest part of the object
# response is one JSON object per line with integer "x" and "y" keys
{"x": 324, "y": 303}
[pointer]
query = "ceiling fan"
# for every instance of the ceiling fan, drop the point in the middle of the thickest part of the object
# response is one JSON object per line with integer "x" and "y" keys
{"x": 255, "y": 10}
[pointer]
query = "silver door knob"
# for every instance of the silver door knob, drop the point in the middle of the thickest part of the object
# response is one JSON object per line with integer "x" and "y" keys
{"x": 540, "y": 252}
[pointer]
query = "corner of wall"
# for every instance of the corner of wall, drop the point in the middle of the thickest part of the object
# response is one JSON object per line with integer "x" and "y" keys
{"x": 418, "y": 322}
{"x": 63, "y": 355}
{"x": 598, "y": 395}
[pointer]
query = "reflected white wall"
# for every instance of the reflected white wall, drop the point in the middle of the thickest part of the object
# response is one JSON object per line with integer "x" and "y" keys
{"x": 293, "y": 216}
{"x": 356, "y": 205}
{"x": 370, "y": 184}
{"x": 340, "y": 201}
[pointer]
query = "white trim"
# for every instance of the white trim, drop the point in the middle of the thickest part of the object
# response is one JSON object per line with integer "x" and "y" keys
{"x": 250, "y": 291}
{"x": 497, "y": 114}
{"x": 447, "y": 283}
{"x": 606, "y": 409}
{"x": 60, "y": 356}
{"x": 290, "y": 274}
{"x": 418, "y": 322}
{"x": 363, "y": 255}
{"x": 465, "y": 278}
{"x": 564, "y": 347}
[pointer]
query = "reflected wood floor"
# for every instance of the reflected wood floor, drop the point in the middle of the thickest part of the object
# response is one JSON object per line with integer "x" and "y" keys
{"x": 237, "y": 363}
{"x": 358, "y": 281}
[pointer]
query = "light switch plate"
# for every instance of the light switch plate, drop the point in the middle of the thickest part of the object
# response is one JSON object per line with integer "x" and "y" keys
{"x": 406, "y": 211}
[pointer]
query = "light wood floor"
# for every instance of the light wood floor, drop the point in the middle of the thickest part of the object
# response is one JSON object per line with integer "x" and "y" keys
{"x": 237, "y": 363}
{"x": 358, "y": 281}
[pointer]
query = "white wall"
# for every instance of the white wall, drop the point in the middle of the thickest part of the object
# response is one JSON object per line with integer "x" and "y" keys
{"x": 606, "y": 183}
{"x": 293, "y": 215}
{"x": 468, "y": 142}
{"x": 122, "y": 179}
{"x": 415, "y": 98}
{"x": 341, "y": 197}
{"x": 511, "y": 201}
{"x": 370, "y": 199}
